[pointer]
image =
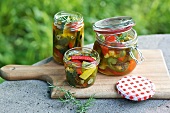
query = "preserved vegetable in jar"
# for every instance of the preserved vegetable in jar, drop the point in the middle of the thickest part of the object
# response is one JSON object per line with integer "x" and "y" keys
{"x": 116, "y": 43}
{"x": 68, "y": 32}
{"x": 81, "y": 65}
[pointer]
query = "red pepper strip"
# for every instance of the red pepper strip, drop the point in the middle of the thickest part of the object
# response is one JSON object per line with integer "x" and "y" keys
{"x": 78, "y": 62}
{"x": 57, "y": 52}
{"x": 105, "y": 50}
{"x": 110, "y": 39}
{"x": 78, "y": 69}
{"x": 86, "y": 58}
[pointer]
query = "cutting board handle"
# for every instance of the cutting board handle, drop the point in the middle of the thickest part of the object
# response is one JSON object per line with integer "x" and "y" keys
{"x": 21, "y": 72}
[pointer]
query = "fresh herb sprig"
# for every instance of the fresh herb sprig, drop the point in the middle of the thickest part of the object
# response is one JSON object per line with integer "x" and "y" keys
{"x": 121, "y": 37}
{"x": 69, "y": 98}
{"x": 67, "y": 19}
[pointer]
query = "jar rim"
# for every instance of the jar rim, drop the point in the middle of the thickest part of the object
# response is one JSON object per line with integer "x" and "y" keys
{"x": 96, "y": 62}
{"x": 62, "y": 17}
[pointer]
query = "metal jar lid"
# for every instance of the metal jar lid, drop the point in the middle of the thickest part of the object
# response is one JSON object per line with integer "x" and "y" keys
{"x": 114, "y": 25}
{"x": 136, "y": 88}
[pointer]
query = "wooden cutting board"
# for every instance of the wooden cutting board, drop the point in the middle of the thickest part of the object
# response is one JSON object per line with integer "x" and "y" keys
{"x": 153, "y": 68}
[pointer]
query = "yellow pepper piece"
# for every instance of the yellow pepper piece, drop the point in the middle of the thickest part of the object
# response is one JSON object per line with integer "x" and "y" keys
{"x": 69, "y": 58}
{"x": 111, "y": 53}
{"x": 70, "y": 69}
{"x": 106, "y": 55}
{"x": 87, "y": 73}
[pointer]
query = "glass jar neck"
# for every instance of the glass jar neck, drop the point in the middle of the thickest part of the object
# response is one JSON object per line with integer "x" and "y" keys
{"x": 68, "y": 20}
{"x": 118, "y": 43}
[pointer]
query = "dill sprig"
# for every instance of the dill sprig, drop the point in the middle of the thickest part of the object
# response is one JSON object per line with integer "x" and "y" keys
{"x": 69, "y": 98}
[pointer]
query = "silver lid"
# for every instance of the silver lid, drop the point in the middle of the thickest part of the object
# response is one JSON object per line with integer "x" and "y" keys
{"x": 114, "y": 25}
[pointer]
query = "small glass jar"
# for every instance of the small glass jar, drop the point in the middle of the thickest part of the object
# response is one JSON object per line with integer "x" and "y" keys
{"x": 68, "y": 32}
{"x": 81, "y": 66}
{"x": 116, "y": 43}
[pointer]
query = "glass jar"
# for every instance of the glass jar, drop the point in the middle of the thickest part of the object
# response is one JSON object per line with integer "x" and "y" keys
{"x": 81, "y": 66}
{"x": 68, "y": 32}
{"x": 116, "y": 43}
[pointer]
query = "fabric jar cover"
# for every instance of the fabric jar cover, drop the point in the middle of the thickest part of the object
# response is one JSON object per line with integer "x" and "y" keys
{"x": 136, "y": 88}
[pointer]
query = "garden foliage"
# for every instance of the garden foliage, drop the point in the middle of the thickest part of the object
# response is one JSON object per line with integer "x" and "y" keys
{"x": 26, "y": 25}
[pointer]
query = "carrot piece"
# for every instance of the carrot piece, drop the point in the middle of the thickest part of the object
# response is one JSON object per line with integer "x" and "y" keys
{"x": 132, "y": 65}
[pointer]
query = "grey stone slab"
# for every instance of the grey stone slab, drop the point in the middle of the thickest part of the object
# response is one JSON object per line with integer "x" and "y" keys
{"x": 32, "y": 96}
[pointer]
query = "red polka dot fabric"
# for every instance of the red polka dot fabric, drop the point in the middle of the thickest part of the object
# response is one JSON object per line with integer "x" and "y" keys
{"x": 135, "y": 88}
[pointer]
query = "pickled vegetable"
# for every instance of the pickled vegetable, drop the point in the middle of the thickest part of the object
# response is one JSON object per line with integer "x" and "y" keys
{"x": 79, "y": 72}
{"x": 87, "y": 58}
{"x": 115, "y": 61}
{"x": 116, "y": 41}
{"x": 68, "y": 32}
{"x": 81, "y": 67}
{"x": 87, "y": 73}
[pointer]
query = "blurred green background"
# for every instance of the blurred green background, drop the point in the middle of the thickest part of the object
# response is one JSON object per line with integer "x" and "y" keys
{"x": 26, "y": 25}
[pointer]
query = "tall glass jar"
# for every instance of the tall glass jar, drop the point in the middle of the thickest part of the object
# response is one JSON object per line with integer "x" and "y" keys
{"x": 68, "y": 32}
{"x": 116, "y": 43}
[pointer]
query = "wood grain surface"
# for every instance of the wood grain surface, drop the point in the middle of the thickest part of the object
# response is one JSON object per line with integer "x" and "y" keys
{"x": 153, "y": 68}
